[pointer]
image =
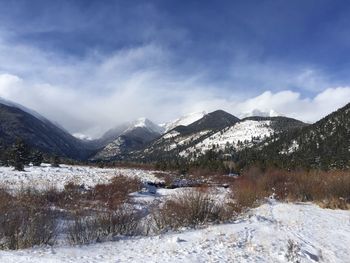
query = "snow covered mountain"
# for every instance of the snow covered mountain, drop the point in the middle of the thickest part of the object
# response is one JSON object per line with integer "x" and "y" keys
{"x": 324, "y": 144}
{"x": 184, "y": 120}
{"x": 134, "y": 137}
{"x": 181, "y": 137}
{"x": 216, "y": 131}
{"x": 189, "y": 136}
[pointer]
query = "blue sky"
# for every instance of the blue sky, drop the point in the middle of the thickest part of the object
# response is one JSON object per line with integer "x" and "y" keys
{"x": 78, "y": 61}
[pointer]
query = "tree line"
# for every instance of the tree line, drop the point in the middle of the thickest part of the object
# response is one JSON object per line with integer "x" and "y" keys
{"x": 20, "y": 154}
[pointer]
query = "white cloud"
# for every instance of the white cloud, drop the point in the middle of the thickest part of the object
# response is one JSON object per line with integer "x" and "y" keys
{"x": 291, "y": 103}
{"x": 97, "y": 92}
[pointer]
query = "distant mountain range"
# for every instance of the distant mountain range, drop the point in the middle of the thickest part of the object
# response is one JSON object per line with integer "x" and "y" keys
{"x": 38, "y": 132}
{"x": 276, "y": 138}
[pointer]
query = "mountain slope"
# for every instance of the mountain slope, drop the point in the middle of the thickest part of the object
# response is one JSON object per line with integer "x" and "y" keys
{"x": 180, "y": 138}
{"x": 136, "y": 136}
{"x": 219, "y": 131}
{"x": 324, "y": 144}
{"x": 245, "y": 133}
{"x": 183, "y": 120}
{"x": 39, "y": 133}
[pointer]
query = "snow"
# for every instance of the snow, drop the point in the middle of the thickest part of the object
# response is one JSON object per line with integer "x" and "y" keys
{"x": 322, "y": 235}
{"x": 170, "y": 134}
{"x": 292, "y": 148}
{"x": 184, "y": 120}
{"x": 145, "y": 123}
{"x": 115, "y": 147}
{"x": 243, "y": 131}
{"x": 46, "y": 176}
{"x": 110, "y": 150}
{"x": 82, "y": 136}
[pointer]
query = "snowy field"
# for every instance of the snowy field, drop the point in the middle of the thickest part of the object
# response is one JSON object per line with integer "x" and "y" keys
{"x": 46, "y": 176}
{"x": 320, "y": 235}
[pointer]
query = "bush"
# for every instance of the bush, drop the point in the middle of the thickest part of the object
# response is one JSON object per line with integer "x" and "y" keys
{"x": 114, "y": 194}
{"x": 331, "y": 189}
{"x": 188, "y": 209}
{"x": 85, "y": 230}
{"x": 246, "y": 193}
{"x": 25, "y": 222}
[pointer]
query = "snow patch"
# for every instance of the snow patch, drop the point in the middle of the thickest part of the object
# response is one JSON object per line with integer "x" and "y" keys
{"x": 184, "y": 120}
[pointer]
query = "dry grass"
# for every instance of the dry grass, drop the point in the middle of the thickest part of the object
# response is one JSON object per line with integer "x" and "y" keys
{"x": 330, "y": 189}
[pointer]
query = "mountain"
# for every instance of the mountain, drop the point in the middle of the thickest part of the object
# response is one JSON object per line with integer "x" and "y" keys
{"x": 183, "y": 120}
{"x": 243, "y": 134}
{"x": 38, "y": 132}
{"x": 219, "y": 131}
{"x": 181, "y": 137}
{"x": 134, "y": 137}
{"x": 324, "y": 144}
{"x": 112, "y": 134}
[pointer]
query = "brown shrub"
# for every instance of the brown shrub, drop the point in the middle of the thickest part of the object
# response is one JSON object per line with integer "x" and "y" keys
{"x": 115, "y": 193}
{"x": 88, "y": 229}
{"x": 246, "y": 193}
{"x": 25, "y": 221}
{"x": 190, "y": 208}
{"x": 331, "y": 188}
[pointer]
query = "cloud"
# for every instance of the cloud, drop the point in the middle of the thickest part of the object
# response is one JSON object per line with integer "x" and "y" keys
{"x": 92, "y": 94}
{"x": 92, "y": 115}
{"x": 292, "y": 104}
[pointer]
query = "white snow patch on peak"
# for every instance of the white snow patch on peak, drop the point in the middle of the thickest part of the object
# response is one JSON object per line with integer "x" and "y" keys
{"x": 183, "y": 120}
{"x": 82, "y": 136}
{"x": 146, "y": 123}
{"x": 261, "y": 113}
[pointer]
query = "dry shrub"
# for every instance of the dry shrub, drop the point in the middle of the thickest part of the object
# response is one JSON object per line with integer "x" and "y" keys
{"x": 246, "y": 193}
{"x": 25, "y": 221}
{"x": 84, "y": 230}
{"x": 115, "y": 193}
{"x": 76, "y": 197}
{"x": 331, "y": 188}
{"x": 188, "y": 209}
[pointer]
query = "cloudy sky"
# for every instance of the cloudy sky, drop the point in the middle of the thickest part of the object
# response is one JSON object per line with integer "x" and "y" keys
{"x": 89, "y": 65}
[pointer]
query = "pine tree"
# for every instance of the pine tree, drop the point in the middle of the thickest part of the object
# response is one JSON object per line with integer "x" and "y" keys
{"x": 19, "y": 155}
{"x": 37, "y": 158}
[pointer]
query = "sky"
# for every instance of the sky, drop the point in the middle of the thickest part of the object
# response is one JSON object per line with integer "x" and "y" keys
{"x": 90, "y": 65}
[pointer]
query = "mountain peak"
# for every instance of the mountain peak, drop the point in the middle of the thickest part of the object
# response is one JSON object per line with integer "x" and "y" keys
{"x": 184, "y": 120}
{"x": 146, "y": 123}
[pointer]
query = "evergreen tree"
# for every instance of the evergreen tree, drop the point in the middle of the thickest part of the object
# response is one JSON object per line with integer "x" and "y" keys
{"x": 19, "y": 155}
{"x": 37, "y": 158}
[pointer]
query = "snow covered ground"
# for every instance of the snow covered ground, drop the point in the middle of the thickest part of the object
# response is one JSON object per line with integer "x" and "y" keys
{"x": 320, "y": 235}
{"x": 46, "y": 176}
{"x": 243, "y": 132}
